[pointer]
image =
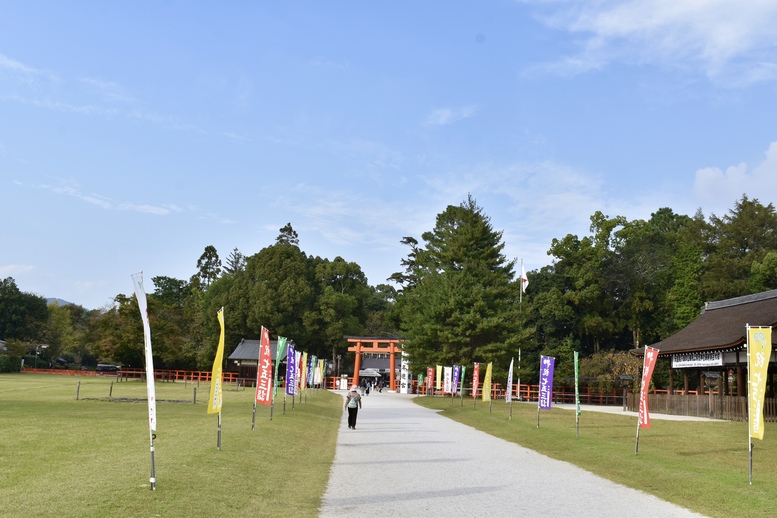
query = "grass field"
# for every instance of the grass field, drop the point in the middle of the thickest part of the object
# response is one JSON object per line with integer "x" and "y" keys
{"x": 91, "y": 457}
{"x": 702, "y": 466}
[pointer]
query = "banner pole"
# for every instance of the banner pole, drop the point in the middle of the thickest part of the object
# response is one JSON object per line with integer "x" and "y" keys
{"x": 749, "y": 408}
{"x": 253, "y": 419}
{"x": 518, "y": 391}
{"x": 152, "y": 436}
{"x": 511, "y": 410}
{"x": 577, "y": 425}
{"x": 751, "y": 459}
{"x": 636, "y": 444}
{"x": 577, "y": 400}
{"x": 538, "y": 416}
{"x": 218, "y": 442}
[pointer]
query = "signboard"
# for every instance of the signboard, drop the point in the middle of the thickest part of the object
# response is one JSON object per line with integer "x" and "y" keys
{"x": 697, "y": 359}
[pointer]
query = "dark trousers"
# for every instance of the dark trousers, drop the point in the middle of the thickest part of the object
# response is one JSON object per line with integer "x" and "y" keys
{"x": 352, "y": 417}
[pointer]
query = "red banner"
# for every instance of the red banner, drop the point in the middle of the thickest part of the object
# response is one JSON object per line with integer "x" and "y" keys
{"x": 429, "y": 380}
{"x": 264, "y": 372}
{"x": 475, "y": 380}
{"x": 651, "y": 354}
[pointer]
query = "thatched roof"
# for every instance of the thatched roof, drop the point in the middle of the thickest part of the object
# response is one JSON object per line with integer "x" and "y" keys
{"x": 722, "y": 325}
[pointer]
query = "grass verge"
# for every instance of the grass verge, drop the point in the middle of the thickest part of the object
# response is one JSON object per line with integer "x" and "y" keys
{"x": 702, "y": 466}
{"x": 63, "y": 457}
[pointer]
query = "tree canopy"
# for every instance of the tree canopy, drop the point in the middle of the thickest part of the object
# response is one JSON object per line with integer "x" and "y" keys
{"x": 455, "y": 301}
{"x": 459, "y": 301}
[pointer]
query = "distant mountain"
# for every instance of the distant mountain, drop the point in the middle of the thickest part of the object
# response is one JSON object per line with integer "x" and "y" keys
{"x": 59, "y": 302}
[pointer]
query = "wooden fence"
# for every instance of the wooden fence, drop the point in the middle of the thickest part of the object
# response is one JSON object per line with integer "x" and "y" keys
{"x": 729, "y": 408}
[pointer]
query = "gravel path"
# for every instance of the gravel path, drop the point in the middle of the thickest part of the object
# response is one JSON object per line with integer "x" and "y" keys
{"x": 406, "y": 460}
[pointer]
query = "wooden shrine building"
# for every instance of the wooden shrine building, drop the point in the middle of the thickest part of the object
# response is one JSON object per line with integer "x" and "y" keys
{"x": 714, "y": 346}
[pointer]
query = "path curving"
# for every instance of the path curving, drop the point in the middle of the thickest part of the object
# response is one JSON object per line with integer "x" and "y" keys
{"x": 406, "y": 460}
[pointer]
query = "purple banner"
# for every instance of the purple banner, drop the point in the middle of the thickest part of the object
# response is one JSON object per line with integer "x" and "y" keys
{"x": 291, "y": 371}
{"x": 455, "y": 381}
{"x": 312, "y": 370}
{"x": 547, "y": 365}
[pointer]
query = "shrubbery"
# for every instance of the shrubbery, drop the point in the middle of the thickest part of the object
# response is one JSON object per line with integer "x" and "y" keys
{"x": 9, "y": 363}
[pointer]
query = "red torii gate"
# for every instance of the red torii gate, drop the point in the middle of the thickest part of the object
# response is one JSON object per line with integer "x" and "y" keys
{"x": 375, "y": 344}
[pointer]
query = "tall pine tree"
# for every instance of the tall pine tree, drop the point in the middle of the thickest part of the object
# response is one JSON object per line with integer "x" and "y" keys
{"x": 459, "y": 303}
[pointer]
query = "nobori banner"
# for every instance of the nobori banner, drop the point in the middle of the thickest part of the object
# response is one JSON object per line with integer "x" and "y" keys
{"x": 697, "y": 359}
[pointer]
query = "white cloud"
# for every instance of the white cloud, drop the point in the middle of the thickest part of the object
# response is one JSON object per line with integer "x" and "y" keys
{"x": 9, "y": 270}
{"x": 69, "y": 188}
{"x": 719, "y": 189}
{"x": 15, "y": 66}
{"x": 378, "y": 155}
{"x": 446, "y": 116}
{"x": 108, "y": 90}
{"x": 730, "y": 41}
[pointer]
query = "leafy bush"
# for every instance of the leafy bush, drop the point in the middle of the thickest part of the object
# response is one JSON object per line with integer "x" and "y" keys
{"x": 9, "y": 363}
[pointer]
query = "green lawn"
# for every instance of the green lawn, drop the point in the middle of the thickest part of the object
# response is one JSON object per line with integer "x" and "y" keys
{"x": 702, "y": 466}
{"x": 63, "y": 457}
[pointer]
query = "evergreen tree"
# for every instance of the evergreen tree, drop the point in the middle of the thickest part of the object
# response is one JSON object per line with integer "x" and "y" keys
{"x": 235, "y": 262}
{"x": 209, "y": 266}
{"x": 738, "y": 239}
{"x": 461, "y": 302}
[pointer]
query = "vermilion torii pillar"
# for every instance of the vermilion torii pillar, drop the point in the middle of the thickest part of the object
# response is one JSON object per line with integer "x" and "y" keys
{"x": 375, "y": 344}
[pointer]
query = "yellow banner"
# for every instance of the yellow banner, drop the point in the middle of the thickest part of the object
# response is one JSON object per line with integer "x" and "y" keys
{"x": 487, "y": 384}
{"x": 438, "y": 379}
{"x": 303, "y": 375}
{"x": 214, "y": 402}
{"x": 759, "y": 350}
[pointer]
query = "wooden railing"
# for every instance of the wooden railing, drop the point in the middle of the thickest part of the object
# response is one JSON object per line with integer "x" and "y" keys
{"x": 127, "y": 373}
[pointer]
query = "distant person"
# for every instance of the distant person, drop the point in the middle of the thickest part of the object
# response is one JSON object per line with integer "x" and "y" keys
{"x": 353, "y": 402}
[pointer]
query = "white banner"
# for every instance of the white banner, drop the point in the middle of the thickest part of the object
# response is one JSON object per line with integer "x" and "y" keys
{"x": 405, "y": 382}
{"x": 509, "y": 393}
{"x": 140, "y": 294}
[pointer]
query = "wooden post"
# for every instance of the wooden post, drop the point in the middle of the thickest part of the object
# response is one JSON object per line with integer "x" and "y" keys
{"x": 392, "y": 368}
{"x": 357, "y": 363}
{"x": 740, "y": 388}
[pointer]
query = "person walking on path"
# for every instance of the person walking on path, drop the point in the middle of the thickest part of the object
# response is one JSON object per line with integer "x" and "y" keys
{"x": 353, "y": 402}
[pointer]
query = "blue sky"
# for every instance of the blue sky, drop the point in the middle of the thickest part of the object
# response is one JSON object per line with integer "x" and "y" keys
{"x": 135, "y": 134}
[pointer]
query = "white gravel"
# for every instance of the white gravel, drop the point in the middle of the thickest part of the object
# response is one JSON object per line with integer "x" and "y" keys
{"x": 406, "y": 460}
